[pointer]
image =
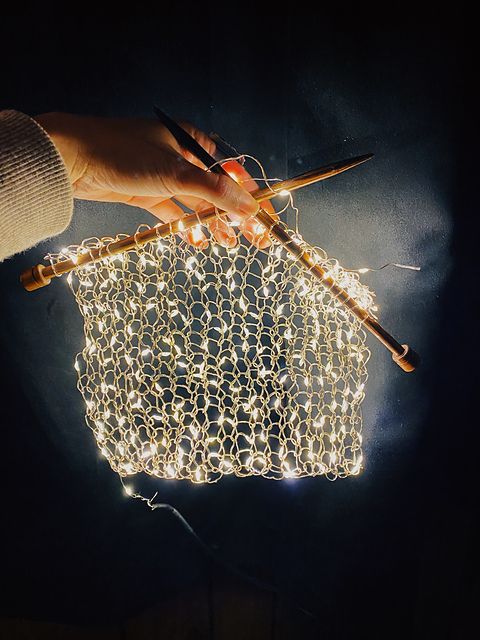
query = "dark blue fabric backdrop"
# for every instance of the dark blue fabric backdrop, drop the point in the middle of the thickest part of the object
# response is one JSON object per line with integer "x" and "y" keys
{"x": 384, "y": 555}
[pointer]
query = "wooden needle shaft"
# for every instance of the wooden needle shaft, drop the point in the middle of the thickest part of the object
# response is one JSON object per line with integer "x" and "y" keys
{"x": 32, "y": 280}
{"x": 41, "y": 275}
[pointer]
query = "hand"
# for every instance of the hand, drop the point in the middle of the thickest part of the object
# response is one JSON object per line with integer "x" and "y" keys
{"x": 139, "y": 163}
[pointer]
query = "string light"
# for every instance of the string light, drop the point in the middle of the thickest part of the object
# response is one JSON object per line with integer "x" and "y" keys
{"x": 199, "y": 364}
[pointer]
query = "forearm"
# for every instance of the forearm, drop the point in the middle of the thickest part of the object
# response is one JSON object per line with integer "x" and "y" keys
{"x": 35, "y": 193}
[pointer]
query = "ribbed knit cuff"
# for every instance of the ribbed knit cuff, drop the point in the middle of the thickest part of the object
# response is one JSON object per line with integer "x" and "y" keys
{"x": 36, "y": 199}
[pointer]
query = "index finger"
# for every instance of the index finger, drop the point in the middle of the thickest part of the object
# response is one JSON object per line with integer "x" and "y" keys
{"x": 242, "y": 177}
{"x": 221, "y": 190}
{"x": 253, "y": 230}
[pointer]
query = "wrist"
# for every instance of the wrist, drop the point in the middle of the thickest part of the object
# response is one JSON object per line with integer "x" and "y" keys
{"x": 61, "y": 128}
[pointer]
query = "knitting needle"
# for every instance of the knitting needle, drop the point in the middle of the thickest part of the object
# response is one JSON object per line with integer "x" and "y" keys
{"x": 405, "y": 357}
{"x": 189, "y": 143}
{"x": 41, "y": 275}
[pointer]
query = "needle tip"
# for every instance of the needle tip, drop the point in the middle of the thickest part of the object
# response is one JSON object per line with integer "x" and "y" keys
{"x": 344, "y": 165}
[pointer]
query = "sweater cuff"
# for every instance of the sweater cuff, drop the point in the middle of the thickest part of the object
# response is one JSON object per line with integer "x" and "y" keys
{"x": 36, "y": 199}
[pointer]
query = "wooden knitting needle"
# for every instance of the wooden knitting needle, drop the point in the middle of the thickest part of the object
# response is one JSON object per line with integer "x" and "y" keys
{"x": 402, "y": 354}
{"x": 40, "y": 275}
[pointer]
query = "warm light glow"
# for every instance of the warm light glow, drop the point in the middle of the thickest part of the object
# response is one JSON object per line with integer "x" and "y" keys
{"x": 197, "y": 233}
{"x": 201, "y": 364}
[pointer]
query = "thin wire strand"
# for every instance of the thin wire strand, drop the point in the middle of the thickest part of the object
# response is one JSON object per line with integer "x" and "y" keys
{"x": 363, "y": 270}
{"x": 266, "y": 180}
{"x": 291, "y": 204}
{"x": 226, "y": 564}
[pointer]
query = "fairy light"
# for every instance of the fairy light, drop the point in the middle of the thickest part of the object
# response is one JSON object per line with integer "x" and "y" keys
{"x": 172, "y": 392}
{"x": 128, "y": 490}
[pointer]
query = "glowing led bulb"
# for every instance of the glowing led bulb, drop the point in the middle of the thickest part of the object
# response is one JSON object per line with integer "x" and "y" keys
{"x": 196, "y": 362}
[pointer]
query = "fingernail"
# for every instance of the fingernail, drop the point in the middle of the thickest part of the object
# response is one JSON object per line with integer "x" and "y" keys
{"x": 263, "y": 241}
{"x": 226, "y": 239}
{"x": 247, "y": 204}
{"x": 231, "y": 239}
{"x": 249, "y": 236}
{"x": 199, "y": 242}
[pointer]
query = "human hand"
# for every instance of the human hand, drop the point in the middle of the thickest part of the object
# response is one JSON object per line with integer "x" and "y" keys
{"x": 139, "y": 163}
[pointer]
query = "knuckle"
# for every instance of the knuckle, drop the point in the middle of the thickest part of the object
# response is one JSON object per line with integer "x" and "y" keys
{"x": 225, "y": 188}
{"x": 178, "y": 175}
{"x": 182, "y": 171}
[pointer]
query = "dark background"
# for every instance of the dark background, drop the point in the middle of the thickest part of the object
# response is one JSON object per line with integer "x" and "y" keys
{"x": 389, "y": 554}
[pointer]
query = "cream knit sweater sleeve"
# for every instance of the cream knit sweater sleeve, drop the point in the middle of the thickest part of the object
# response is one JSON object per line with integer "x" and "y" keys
{"x": 36, "y": 199}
